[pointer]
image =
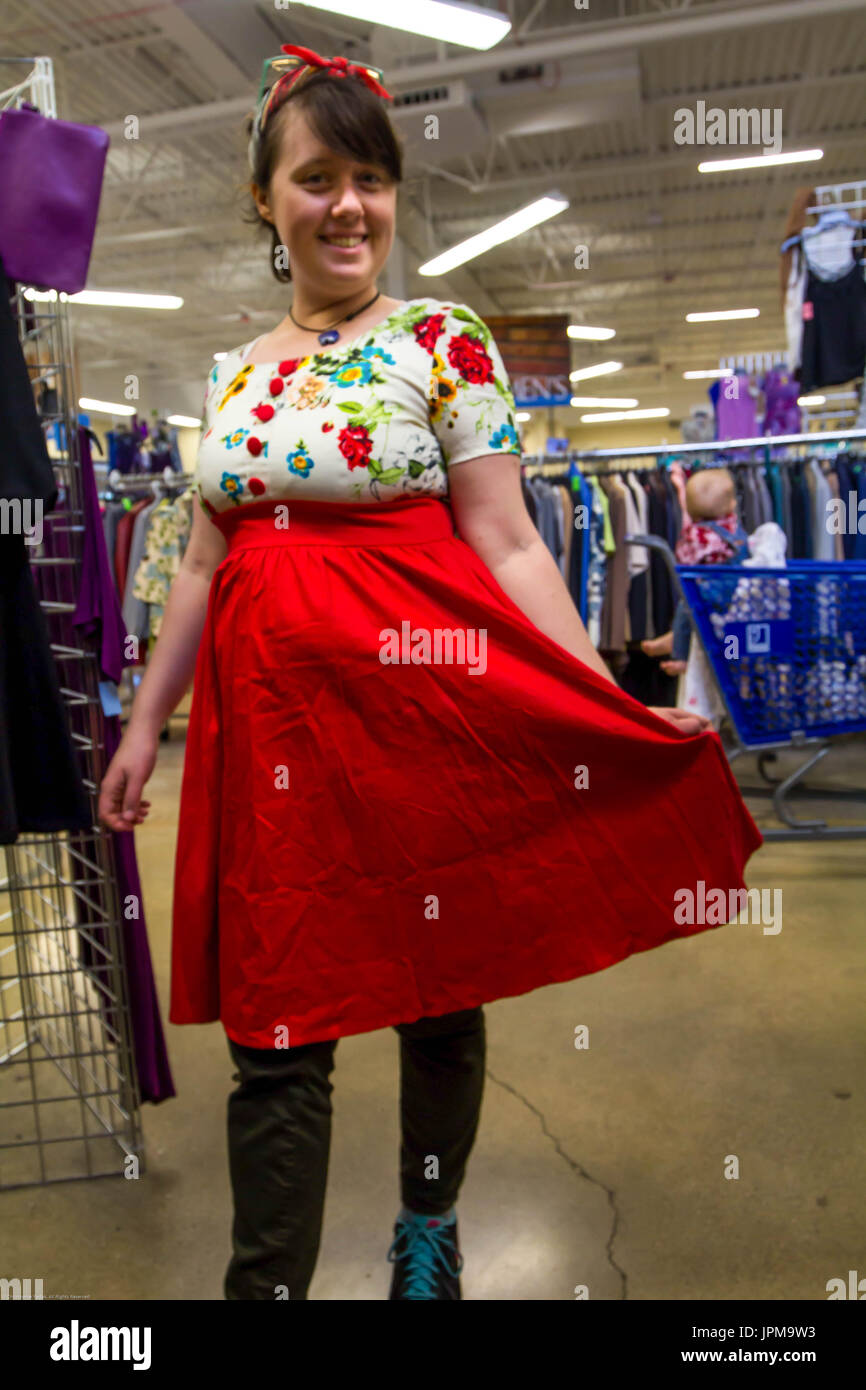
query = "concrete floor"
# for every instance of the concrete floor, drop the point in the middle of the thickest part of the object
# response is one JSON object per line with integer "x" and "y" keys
{"x": 602, "y": 1167}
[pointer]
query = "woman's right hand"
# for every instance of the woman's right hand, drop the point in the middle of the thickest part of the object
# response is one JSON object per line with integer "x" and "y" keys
{"x": 120, "y": 804}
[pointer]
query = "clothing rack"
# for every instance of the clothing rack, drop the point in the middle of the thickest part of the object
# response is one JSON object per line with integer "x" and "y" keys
{"x": 846, "y": 197}
{"x": 754, "y": 361}
{"x": 120, "y": 482}
{"x": 837, "y": 195}
{"x": 69, "y": 1090}
{"x": 718, "y": 446}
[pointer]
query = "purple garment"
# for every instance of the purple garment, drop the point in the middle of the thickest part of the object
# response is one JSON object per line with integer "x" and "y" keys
{"x": 124, "y": 453}
{"x": 98, "y": 615}
{"x": 736, "y": 416}
{"x": 781, "y": 392}
{"x": 151, "y": 1056}
{"x": 160, "y": 459}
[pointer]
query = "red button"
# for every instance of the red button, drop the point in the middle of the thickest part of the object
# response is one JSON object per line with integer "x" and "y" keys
{"x": 256, "y": 486}
{"x": 276, "y": 385}
{"x": 286, "y": 368}
{"x": 254, "y": 445}
{"x": 264, "y": 412}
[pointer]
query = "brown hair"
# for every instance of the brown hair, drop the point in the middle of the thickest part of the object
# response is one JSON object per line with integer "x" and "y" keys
{"x": 797, "y": 220}
{"x": 346, "y": 116}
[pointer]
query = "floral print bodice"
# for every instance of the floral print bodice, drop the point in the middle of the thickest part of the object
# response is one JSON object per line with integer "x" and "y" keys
{"x": 366, "y": 420}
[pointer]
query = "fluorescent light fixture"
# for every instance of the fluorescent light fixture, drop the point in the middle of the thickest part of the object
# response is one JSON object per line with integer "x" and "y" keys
{"x": 655, "y": 413}
{"x": 719, "y": 314}
{"x": 595, "y": 335}
{"x": 759, "y": 161}
{"x": 613, "y": 402}
{"x": 713, "y": 374}
{"x": 220, "y": 356}
{"x": 600, "y": 369}
{"x": 811, "y": 400}
{"x": 506, "y": 230}
{"x": 466, "y": 25}
{"x": 188, "y": 421}
{"x": 118, "y": 299}
{"x": 104, "y": 407}
{"x": 523, "y": 417}
{"x": 112, "y": 299}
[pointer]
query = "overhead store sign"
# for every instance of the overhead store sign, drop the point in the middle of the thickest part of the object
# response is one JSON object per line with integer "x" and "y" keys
{"x": 537, "y": 357}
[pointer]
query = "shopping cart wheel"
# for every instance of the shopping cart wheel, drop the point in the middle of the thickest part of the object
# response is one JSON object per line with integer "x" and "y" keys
{"x": 763, "y": 759}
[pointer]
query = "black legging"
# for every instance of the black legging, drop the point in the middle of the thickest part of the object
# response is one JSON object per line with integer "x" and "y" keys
{"x": 279, "y": 1131}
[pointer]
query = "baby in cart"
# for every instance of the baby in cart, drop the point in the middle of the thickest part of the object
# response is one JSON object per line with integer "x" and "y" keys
{"x": 712, "y": 535}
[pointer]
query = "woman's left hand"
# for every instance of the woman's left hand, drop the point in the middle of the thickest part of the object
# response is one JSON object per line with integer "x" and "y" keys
{"x": 682, "y": 720}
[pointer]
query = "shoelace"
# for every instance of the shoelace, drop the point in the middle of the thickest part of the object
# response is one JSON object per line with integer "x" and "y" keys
{"x": 425, "y": 1248}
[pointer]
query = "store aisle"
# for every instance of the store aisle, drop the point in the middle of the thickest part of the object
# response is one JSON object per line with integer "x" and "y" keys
{"x": 602, "y": 1167}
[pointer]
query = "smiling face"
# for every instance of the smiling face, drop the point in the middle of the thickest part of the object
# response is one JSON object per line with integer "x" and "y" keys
{"x": 316, "y": 195}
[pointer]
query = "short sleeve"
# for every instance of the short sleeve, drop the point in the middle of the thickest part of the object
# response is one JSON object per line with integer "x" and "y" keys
{"x": 207, "y": 411}
{"x": 471, "y": 404}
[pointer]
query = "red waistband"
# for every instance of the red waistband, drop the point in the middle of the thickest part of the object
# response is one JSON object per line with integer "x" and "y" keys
{"x": 404, "y": 522}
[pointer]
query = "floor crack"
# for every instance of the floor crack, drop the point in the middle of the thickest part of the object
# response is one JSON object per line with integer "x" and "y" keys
{"x": 579, "y": 1169}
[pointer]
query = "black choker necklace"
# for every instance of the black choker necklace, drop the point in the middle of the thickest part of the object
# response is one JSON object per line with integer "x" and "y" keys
{"x": 330, "y": 335}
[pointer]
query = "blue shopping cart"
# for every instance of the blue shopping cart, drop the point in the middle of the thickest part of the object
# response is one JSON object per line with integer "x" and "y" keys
{"x": 787, "y": 648}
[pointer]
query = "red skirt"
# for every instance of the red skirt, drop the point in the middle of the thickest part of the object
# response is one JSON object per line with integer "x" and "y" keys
{"x": 371, "y": 833}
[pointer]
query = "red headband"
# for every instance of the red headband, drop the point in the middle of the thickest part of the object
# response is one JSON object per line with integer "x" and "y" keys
{"x": 311, "y": 62}
{"x": 341, "y": 67}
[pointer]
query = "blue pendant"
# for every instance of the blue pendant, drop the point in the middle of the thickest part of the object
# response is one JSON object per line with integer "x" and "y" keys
{"x": 329, "y": 336}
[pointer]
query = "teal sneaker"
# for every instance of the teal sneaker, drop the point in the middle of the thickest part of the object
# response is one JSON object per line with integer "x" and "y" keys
{"x": 426, "y": 1259}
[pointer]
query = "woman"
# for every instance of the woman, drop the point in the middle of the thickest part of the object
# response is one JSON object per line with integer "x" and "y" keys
{"x": 411, "y": 785}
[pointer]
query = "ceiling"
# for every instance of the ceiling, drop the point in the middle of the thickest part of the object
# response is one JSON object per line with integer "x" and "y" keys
{"x": 587, "y": 108}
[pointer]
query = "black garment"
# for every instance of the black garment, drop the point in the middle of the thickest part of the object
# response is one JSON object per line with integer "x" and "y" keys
{"x": 662, "y": 588}
{"x": 644, "y": 679}
{"x": 40, "y": 782}
{"x": 279, "y": 1133}
{"x": 25, "y": 468}
{"x": 579, "y": 540}
{"x": 800, "y": 515}
{"x": 529, "y": 500}
{"x": 834, "y": 337}
{"x": 847, "y": 480}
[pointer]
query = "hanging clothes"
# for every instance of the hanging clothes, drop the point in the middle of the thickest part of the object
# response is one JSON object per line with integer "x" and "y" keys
{"x": 834, "y": 330}
{"x": 165, "y": 542}
{"x": 41, "y": 786}
{"x": 98, "y": 615}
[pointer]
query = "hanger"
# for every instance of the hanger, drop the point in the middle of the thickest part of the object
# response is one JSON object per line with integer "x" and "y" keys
{"x": 831, "y": 216}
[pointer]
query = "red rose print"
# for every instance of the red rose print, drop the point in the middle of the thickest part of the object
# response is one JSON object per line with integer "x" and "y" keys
{"x": 256, "y": 486}
{"x": 254, "y": 445}
{"x": 355, "y": 445}
{"x": 289, "y": 366}
{"x": 428, "y": 330}
{"x": 469, "y": 356}
{"x": 264, "y": 412}
{"x": 327, "y": 426}
{"x": 276, "y": 385}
